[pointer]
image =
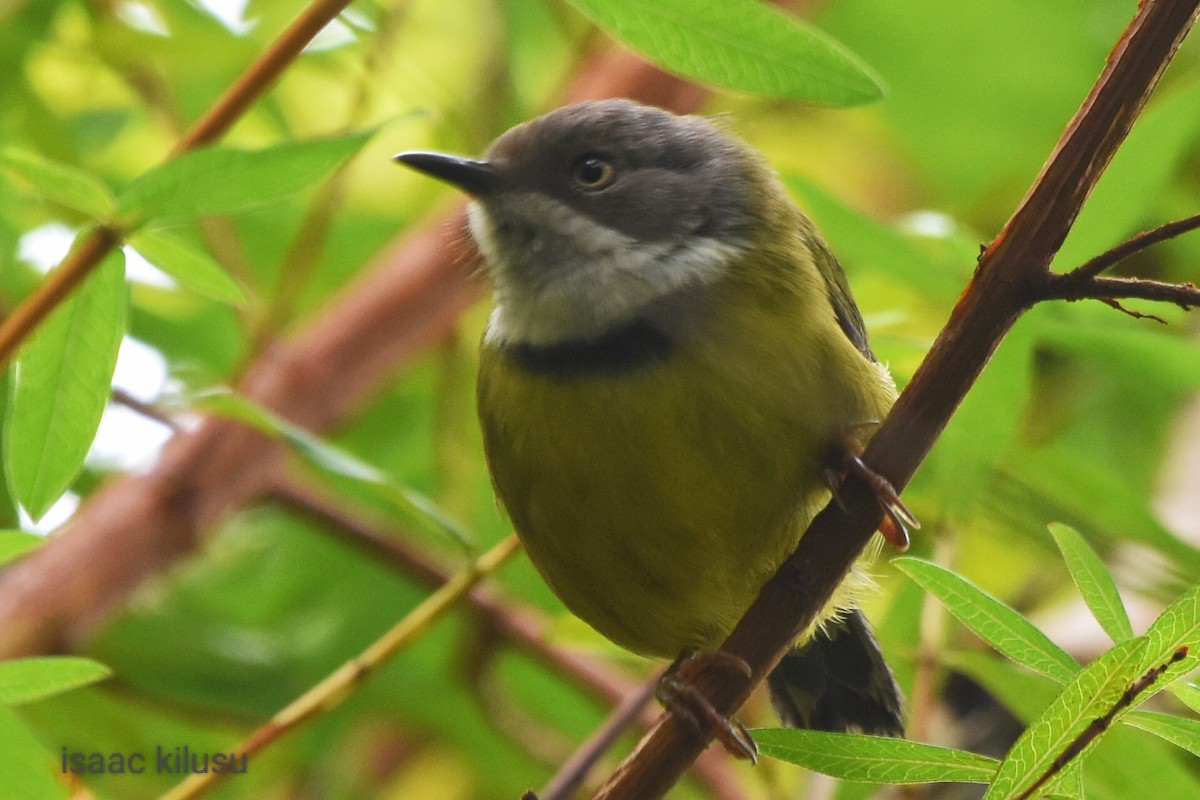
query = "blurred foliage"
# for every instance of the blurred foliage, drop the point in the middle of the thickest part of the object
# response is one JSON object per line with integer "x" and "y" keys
{"x": 1070, "y": 422}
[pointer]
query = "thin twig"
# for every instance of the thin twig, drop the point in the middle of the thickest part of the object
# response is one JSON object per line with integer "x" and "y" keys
{"x": 1184, "y": 295}
{"x": 145, "y": 409}
{"x": 1136, "y": 244}
{"x": 575, "y": 769}
{"x": 329, "y": 693}
{"x": 259, "y": 76}
{"x": 54, "y": 289}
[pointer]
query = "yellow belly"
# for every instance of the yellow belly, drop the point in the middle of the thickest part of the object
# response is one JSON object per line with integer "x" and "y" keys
{"x": 657, "y": 502}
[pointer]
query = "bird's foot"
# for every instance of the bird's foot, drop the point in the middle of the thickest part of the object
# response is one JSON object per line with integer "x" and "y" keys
{"x": 677, "y": 691}
{"x": 845, "y": 458}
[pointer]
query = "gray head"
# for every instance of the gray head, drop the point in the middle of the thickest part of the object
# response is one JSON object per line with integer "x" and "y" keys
{"x": 594, "y": 211}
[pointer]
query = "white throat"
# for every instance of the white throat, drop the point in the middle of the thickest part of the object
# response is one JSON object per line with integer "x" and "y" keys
{"x": 567, "y": 277}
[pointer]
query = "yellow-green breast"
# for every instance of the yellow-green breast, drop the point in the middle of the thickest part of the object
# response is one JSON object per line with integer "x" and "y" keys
{"x": 656, "y": 501}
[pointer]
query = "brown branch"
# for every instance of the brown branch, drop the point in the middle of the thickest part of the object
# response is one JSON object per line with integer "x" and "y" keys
{"x": 998, "y": 293}
{"x": 574, "y": 770}
{"x": 1058, "y": 287}
{"x": 259, "y": 76}
{"x": 1125, "y": 249}
{"x": 219, "y": 117}
{"x": 17, "y": 326}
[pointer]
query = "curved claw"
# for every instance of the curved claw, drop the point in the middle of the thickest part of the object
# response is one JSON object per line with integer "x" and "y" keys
{"x": 677, "y": 691}
{"x": 845, "y": 460}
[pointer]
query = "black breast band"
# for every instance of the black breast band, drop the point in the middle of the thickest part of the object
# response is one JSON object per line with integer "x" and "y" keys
{"x": 636, "y": 344}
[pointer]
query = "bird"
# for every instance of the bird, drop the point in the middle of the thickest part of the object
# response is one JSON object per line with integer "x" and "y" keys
{"x": 673, "y": 379}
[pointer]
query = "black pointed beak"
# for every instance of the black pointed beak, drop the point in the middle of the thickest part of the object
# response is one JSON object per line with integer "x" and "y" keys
{"x": 476, "y": 178}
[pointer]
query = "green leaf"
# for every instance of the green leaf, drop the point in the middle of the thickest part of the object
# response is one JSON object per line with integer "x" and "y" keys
{"x": 62, "y": 381}
{"x": 1178, "y": 731}
{"x": 191, "y": 268}
{"x": 1188, "y": 694}
{"x": 221, "y": 181}
{"x": 1091, "y": 695}
{"x": 997, "y": 624}
{"x": 1175, "y": 638}
{"x": 26, "y": 679}
{"x": 17, "y": 543}
{"x": 1094, "y": 582}
{"x": 739, "y": 44}
{"x": 28, "y": 768}
{"x": 69, "y": 186}
{"x": 873, "y": 759}
{"x": 341, "y": 469}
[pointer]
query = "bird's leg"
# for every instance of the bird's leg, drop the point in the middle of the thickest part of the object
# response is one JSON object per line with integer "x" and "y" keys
{"x": 677, "y": 691}
{"x": 845, "y": 458}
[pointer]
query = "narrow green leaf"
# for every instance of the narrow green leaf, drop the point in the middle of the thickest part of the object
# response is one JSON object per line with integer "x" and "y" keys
{"x": 997, "y": 624}
{"x": 191, "y": 268}
{"x": 28, "y": 768}
{"x": 1095, "y": 583}
{"x": 17, "y": 543}
{"x": 1188, "y": 694}
{"x": 62, "y": 380}
{"x": 1178, "y": 731}
{"x": 341, "y": 469}
{"x": 1091, "y": 695}
{"x": 1069, "y": 785}
{"x": 25, "y": 679}
{"x": 220, "y": 181}
{"x": 874, "y": 759}
{"x": 69, "y": 186}
{"x": 739, "y": 44}
{"x": 1175, "y": 638}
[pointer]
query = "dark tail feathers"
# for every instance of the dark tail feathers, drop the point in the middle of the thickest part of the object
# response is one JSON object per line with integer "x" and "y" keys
{"x": 838, "y": 681}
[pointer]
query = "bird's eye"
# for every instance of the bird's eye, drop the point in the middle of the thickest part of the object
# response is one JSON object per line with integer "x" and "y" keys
{"x": 593, "y": 172}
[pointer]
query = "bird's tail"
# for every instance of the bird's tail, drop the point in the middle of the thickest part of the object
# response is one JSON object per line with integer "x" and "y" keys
{"x": 838, "y": 681}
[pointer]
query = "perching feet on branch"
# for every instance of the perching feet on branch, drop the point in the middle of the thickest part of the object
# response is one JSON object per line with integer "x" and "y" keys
{"x": 677, "y": 691}
{"x": 845, "y": 458}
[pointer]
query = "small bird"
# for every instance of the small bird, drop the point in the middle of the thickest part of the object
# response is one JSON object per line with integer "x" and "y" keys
{"x": 673, "y": 379}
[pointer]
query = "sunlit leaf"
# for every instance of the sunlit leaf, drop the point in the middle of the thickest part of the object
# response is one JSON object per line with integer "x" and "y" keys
{"x": 220, "y": 181}
{"x": 1178, "y": 731}
{"x": 70, "y": 186}
{"x": 739, "y": 44}
{"x": 191, "y": 268}
{"x": 26, "y": 679}
{"x": 997, "y": 624}
{"x": 61, "y": 383}
{"x": 28, "y": 768}
{"x": 1094, "y": 582}
{"x": 874, "y": 759}
{"x": 1174, "y": 638}
{"x": 1091, "y": 695}
{"x": 17, "y": 543}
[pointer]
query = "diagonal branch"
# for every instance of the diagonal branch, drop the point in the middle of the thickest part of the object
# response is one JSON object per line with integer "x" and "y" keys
{"x": 1002, "y": 288}
{"x": 1137, "y": 244}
